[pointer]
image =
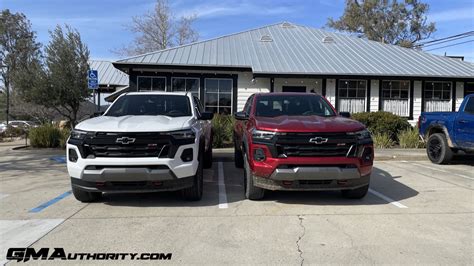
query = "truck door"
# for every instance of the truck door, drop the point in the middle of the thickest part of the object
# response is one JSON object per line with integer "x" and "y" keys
{"x": 464, "y": 125}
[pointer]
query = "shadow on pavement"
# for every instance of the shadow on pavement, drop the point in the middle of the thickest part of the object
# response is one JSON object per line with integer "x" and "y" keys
{"x": 392, "y": 188}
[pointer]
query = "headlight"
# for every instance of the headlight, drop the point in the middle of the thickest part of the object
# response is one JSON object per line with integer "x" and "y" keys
{"x": 363, "y": 134}
{"x": 262, "y": 135}
{"x": 78, "y": 134}
{"x": 182, "y": 134}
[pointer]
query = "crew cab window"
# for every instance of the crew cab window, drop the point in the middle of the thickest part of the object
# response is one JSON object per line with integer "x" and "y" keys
{"x": 169, "y": 105}
{"x": 248, "y": 105}
{"x": 469, "y": 106}
{"x": 293, "y": 105}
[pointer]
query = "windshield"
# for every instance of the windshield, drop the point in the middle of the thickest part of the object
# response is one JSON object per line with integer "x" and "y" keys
{"x": 168, "y": 105}
{"x": 292, "y": 105}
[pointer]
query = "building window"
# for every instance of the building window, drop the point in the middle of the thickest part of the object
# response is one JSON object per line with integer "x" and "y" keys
{"x": 218, "y": 96}
{"x": 186, "y": 84}
{"x": 395, "y": 97}
{"x": 352, "y": 95}
{"x": 151, "y": 83}
{"x": 438, "y": 96}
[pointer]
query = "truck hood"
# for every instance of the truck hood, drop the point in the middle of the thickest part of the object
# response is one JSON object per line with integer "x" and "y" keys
{"x": 308, "y": 124}
{"x": 142, "y": 123}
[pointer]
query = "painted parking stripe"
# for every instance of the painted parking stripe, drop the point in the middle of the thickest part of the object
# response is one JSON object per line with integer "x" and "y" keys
{"x": 221, "y": 184}
{"x": 387, "y": 199}
{"x": 440, "y": 170}
{"x": 51, "y": 202}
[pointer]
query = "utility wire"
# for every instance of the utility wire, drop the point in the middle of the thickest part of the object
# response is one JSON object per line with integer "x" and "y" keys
{"x": 445, "y": 41}
{"x": 449, "y": 37}
{"x": 459, "y": 43}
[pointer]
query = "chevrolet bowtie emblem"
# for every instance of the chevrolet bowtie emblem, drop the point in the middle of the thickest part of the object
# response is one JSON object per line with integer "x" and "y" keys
{"x": 125, "y": 140}
{"x": 318, "y": 140}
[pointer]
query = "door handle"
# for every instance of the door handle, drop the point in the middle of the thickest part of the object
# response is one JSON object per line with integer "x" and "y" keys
{"x": 463, "y": 121}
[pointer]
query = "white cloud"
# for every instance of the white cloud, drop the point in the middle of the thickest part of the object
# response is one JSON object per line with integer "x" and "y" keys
{"x": 457, "y": 14}
{"x": 245, "y": 8}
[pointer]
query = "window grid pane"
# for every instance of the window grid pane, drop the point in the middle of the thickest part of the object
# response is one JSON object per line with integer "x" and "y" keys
{"x": 218, "y": 95}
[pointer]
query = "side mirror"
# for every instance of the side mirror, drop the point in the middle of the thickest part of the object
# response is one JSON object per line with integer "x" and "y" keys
{"x": 96, "y": 114}
{"x": 345, "y": 114}
{"x": 206, "y": 116}
{"x": 241, "y": 115}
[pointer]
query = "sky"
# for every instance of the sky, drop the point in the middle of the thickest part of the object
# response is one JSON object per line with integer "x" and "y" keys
{"x": 102, "y": 23}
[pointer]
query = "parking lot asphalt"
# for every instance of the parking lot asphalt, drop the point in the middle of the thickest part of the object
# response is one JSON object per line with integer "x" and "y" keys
{"x": 415, "y": 212}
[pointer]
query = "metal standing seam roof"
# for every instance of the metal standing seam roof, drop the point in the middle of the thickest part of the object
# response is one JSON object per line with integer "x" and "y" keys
{"x": 293, "y": 49}
{"x": 108, "y": 74}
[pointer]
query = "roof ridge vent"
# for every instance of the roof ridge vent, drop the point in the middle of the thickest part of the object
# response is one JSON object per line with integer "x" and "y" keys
{"x": 287, "y": 25}
{"x": 266, "y": 38}
{"x": 328, "y": 39}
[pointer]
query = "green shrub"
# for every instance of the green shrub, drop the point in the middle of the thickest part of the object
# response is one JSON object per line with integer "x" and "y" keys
{"x": 45, "y": 136}
{"x": 223, "y": 131}
{"x": 65, "y": 132}
{"x": 384, "y": 123}
{"x": 409, "y": 139}
{"x": 382, "y": 141}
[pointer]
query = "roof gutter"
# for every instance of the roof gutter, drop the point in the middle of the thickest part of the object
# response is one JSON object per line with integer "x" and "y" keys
{"x": 123, "y": 66}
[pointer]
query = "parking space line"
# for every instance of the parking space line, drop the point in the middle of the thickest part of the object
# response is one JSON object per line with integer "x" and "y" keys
{"x": 221, "y": 184}
{"x": 440, "y": 170}
{"x": 51, "y": 202}
{"x": 387, "y": 199}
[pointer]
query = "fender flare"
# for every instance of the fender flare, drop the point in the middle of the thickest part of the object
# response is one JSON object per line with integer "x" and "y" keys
{"x": 444, "y": 130}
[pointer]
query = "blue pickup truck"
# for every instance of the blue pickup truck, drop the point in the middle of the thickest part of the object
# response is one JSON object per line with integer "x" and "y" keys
{"x": 447, "y": 133}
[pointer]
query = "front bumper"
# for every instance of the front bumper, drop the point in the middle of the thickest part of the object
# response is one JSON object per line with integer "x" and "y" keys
{"x": 153, "y": 184}
{"x": 315, "y": 184}
{"x": 103, "y": 169}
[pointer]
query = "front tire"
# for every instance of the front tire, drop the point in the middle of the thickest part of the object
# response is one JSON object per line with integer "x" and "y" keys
{"x": 208, "y": 155}
{"x": 194, "y": 193}
{"x": 251, "y": 191}
{"x": 238, "y": 157}
{"x": 357, "y": 193}
{"x": 85, "y": 196}
{"x": 438, "y": 150}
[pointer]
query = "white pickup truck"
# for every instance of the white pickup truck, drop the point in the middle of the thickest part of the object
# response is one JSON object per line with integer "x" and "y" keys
{"x": 144, "y": 142}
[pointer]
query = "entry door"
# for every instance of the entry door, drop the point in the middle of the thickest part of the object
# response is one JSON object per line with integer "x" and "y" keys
{"x": 293, "y": 89}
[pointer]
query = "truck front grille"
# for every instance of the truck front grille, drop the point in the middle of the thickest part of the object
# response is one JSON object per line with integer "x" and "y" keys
{"x": 299, "y": 145}
{"x": 105, "y": 144}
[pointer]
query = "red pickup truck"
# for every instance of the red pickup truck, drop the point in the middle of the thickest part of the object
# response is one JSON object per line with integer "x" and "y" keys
{"x": 297, "y": 141}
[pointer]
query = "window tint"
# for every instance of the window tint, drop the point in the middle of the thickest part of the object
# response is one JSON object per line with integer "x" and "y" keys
{"x": 248, "y": 105}
{"x": 292, "y": 105}
{"x": 169, "y": 105}
{"x": 469, "y": 106}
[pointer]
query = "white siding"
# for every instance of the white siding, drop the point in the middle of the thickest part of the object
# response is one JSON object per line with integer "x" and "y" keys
{"x": 374, "y": 95}
{"x": 245, "y": 88}
{"x": 459, "y": 94}
{"x": 331, "y": 91}
{"x": 310, "y": 84}
{"x": 417, "y": 101}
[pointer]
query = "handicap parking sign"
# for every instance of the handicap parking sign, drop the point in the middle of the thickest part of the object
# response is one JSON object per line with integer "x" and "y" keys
{"x": 93, "y": 79}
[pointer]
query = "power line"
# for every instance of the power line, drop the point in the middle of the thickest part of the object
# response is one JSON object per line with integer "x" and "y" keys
{"x": 459, "y": 43}
{"x": 446, "y": 38}
{"x": 445, "y": 41}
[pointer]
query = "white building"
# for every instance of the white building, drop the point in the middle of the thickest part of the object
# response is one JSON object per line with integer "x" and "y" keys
{"x": 354, "y": 74}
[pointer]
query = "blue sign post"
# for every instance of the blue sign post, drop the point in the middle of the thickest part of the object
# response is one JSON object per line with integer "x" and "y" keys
{"x": 93, "y": 84}
{"x": 93, "y": 79}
